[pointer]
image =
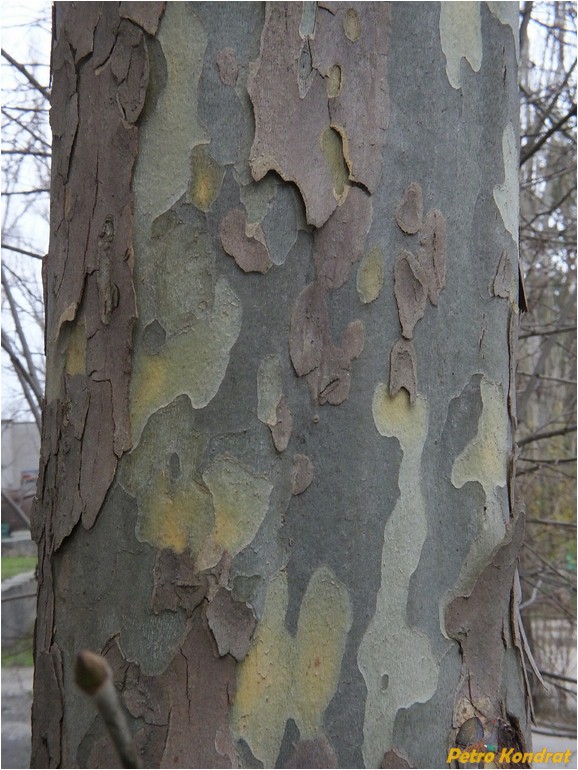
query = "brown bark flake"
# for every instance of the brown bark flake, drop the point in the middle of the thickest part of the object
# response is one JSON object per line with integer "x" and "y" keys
{"x": 281, "y": 431}
{"x": 48, "y": 705}
{"x": 410, "y": 291}
{"x": 290, "y": 78}
{"x": 416, "y": 279}
{"x": 195, "y": 728}
{"x": 146, "y": 15}
{"x": 481, "y": 634}
{"x": 313, "y": 353}
{"x": 393, "y": 760}
{"x": 409, "y": 213}
{"x": 503, "y": 283}
{"x": 228, "y": 66}
{"x": 100, "y": 75}
{"x": 301, "y": 474}
{"x": 89, "y": 285}
{"x": 249, "y": 251}
{"x": 403, "y": 369}
{"x": 232, "y": 623}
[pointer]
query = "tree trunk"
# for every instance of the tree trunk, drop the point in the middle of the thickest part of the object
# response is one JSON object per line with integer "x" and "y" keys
{"x": 277, "y": 453}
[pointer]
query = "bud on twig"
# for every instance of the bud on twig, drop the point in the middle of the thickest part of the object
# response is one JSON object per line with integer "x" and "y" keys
{"x": 94, "y": 677}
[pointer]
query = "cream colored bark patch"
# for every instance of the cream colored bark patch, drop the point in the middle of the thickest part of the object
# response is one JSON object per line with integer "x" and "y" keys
{"x": 370, "y": 275}
{"x": 461, "y": 37}
{"x": 285, "y": 676}
{"x": 269, "y": 389}
{"x": 485, "y": 460}
{"x": 390, "y": 677}
{"x": 272, "y": 406}
{"x": 507, "y": 195}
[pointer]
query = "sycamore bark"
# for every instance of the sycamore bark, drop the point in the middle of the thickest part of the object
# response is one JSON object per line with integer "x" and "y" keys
{"x": 276, "y": 483}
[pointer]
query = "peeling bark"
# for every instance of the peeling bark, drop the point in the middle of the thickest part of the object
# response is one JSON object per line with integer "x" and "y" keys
{"x": 294, "y": 550}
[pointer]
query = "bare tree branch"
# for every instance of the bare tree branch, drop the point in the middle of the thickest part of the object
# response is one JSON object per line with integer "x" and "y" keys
{"x": 28, "y": 75}
{"x": 18, "y": 250}
{"x": 547, "y": 434}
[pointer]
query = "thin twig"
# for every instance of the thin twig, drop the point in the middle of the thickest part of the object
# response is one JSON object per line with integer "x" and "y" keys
{"x": 31, "y": 79}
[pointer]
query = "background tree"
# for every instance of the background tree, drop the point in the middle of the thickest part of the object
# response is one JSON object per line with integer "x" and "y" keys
{"x": 25, "y": 193}
{"x": 547, "y": 352}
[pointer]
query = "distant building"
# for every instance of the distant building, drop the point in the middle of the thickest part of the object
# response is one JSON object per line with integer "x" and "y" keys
{"x": 20, "y": 454}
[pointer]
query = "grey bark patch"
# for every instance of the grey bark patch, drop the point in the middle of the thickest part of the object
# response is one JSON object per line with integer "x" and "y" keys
{"x": 339, "y": 243}
{"x": 503, "y": 283}
{"x": 409, "y": 213}
{"x": 312, "y": 351}
{"x": 314, "y": 753}
{"x": 232, "y": 623}
{"x": 302, "y": 472}
{"x": 249, "y": 251}
{"x": 153, "y": 338}
{"x": 403, "y": 369}
{"x": 227, "y": 66}
{"x": 391, "y": 759}
{"x": 410, "y": 291}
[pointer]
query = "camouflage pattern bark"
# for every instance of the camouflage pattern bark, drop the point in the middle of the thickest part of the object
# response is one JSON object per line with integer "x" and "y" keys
{"x": 277, "y": 449}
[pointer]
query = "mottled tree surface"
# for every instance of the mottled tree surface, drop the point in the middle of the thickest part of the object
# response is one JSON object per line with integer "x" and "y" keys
{"x": 277, "y": 449}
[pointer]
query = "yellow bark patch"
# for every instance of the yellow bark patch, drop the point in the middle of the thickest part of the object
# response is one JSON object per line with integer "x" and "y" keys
{"x": 370, "y": 275}
{"x": 396, "y": 417}
{"x": 334, "y": 81}
{"x": 333, "y": 150}
{"x": 76, "y": 350}
{"x": 206, "y": 178}
{"x": 240, "y": 503}
{"x": 285, "y": 676}
{"x": 192, "y": 362}
{"x": 175, "y": 516}
{"x": 352, "y": 25}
